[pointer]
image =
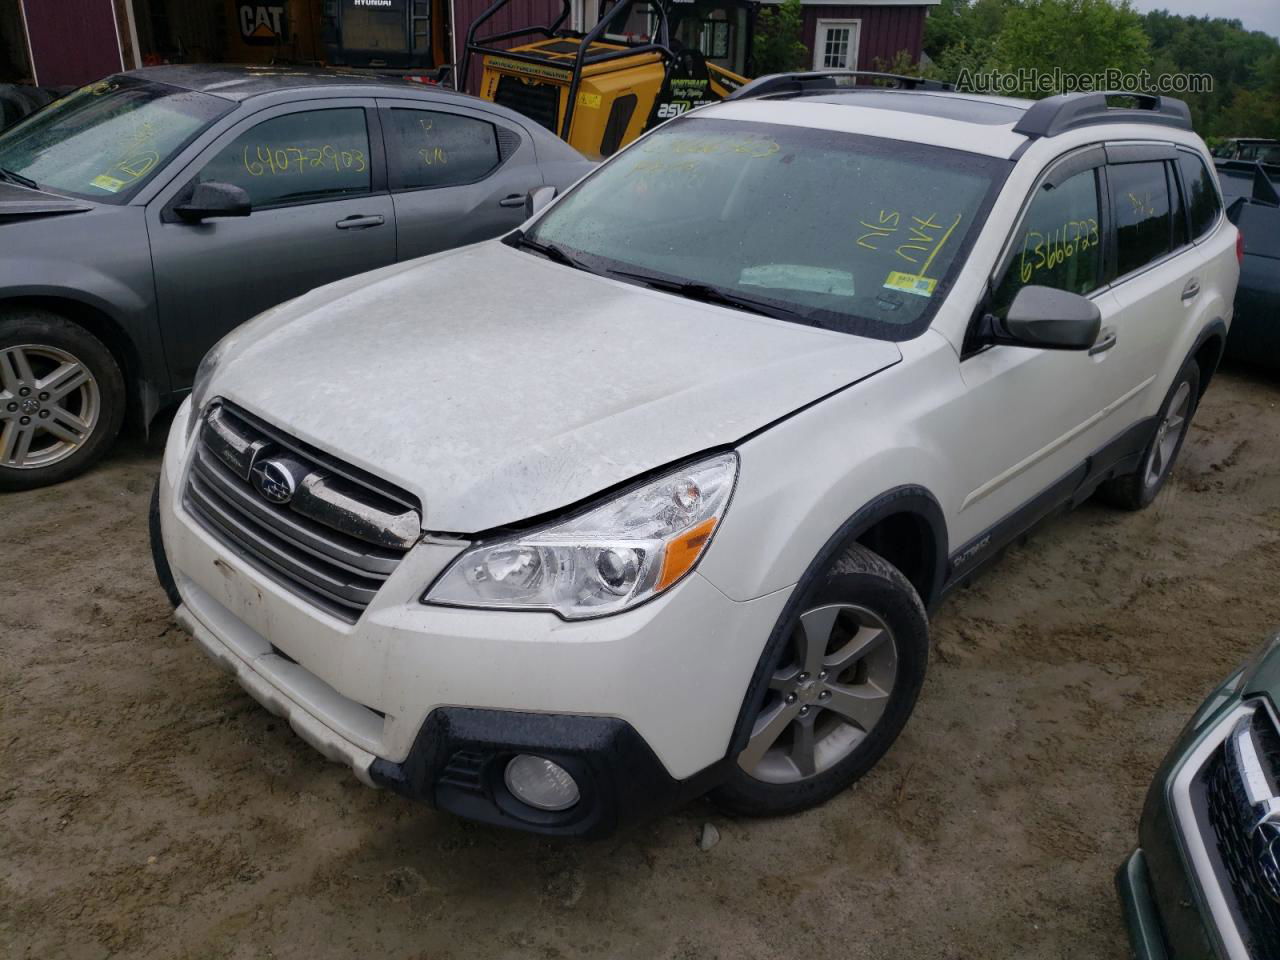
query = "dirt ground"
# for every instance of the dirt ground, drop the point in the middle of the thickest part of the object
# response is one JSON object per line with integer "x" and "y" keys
{"x": 149, "y": 808}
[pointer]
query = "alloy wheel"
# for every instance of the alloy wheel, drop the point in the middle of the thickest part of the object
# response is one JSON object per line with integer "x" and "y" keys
{"x": 1172, "y": 425}
{"x": 832, "y": 688}
{"x": 49, "y": 405}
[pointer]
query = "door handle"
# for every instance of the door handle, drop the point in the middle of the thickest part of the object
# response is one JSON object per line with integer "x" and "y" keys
{"x": 1108, "y": 341}
{"x": 1190, "y": 290}
{"x": 359, "y": 223}
{"x": 515, "y": 200}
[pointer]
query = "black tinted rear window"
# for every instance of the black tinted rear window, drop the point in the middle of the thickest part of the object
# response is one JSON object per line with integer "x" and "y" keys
{"x": 1140, "y": 204}
{"x": 1202, "y": 197}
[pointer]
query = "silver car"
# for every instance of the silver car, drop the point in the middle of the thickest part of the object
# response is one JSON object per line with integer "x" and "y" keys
{"x": 144, "y": 216}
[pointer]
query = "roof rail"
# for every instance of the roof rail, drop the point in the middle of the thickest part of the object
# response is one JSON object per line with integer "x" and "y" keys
{"x": 1066, "y": 111}
{"x": 822, "y": 80}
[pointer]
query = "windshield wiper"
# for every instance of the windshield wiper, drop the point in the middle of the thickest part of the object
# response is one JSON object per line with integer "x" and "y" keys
{"x": 548, "y": 250}
{"x": 707, "y": 293}
{"x": 18, "y": 178}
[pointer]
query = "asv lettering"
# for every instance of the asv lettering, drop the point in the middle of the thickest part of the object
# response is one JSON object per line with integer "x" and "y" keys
{"x": 668, "y": 110}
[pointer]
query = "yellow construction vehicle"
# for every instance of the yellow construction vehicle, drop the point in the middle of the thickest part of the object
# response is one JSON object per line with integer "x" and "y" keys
{"x": 594, "y": 90}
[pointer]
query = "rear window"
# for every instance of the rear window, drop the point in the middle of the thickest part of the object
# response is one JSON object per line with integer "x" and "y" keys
{"x": 434, "y": 149}
{"x": 1202, "y": 197}
{"x": 1140, "y": 206}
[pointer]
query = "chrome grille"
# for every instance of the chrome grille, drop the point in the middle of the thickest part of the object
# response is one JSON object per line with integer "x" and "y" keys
{"x": 336, "y": 536}
{"x": 1244, "y": 816}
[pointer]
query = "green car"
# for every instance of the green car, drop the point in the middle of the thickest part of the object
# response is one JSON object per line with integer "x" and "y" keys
{"x": 1205, "y": 882}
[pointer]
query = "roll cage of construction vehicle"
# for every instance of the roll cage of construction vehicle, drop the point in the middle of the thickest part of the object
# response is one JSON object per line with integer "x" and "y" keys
{"x": 584, "y": 58}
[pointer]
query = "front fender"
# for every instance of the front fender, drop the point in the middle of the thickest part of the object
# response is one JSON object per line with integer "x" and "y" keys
{"x": 96, "y": 263}
{"x": 833, "y": 469}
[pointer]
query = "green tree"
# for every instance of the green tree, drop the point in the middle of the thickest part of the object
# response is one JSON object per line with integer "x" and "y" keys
{"x": 776, "y": 47}
{"x": 1076, "y": 36}
{"x": 962, "y": 23}
{"x": 1254, "y": 112}
{"x": 1086, "y": 36}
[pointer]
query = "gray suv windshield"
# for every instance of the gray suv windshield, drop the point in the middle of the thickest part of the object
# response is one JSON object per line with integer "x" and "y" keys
{"x": 106, "y": 140}
{"x": 852, "y": 233}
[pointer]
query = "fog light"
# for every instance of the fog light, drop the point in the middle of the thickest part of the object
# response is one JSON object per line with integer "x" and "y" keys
{"x": 540, "y": 783}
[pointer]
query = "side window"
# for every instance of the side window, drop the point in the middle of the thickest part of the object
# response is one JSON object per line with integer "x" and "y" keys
{"x": 433, "y": 149}
{"x": 298, "y": 157}
{"x": 1140, "y": 207}
{"x": 1059, "y": 242}
{"x": 1202, "y": 197}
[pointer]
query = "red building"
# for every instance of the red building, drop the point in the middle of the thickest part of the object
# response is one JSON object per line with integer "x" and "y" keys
{"x": 865, "y": 36}
{"x": 54, "y": 42}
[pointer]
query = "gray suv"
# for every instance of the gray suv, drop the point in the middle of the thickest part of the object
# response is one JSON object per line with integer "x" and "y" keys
{"x": 144, "y": 216}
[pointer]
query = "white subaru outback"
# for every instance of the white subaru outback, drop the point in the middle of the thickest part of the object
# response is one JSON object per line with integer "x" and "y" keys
{"x": 650, "y": 498}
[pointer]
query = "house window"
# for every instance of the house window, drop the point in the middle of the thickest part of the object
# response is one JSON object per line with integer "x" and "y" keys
{"x": 835, "y": 45}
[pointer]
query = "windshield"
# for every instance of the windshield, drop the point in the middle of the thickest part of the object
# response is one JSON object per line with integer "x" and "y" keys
{"x": 848, "y": 232}
{"x": 106, "y": 140}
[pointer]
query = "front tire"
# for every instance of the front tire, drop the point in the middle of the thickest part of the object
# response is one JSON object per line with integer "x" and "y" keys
{"x": 62, "y": 399}
{"x": 1136, "y": 490}
{"x": 840, "y": 689}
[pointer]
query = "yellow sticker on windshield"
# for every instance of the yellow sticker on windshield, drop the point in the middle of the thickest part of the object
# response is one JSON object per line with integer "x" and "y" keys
{"x": 910, "y": 283}
{"x": 104, "y": 182}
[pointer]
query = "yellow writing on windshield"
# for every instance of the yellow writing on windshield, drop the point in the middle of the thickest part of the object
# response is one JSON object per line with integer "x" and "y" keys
{"x": 139, "y": 165}
{"x": 1046, "y": 250}
{"x": 884, "y": 226}
{"x": 277, "y": 160}
{"x": 924, "y": 237}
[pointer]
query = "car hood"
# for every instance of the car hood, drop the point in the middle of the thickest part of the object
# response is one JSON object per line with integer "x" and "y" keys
{"x": 21, "y": 202}
{"x": 499, "y": 386}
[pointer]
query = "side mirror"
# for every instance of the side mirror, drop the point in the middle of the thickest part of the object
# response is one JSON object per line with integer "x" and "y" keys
{"x": 214, "y": 199}
{"x": 1047, "y": 318}
{"x": 538, "y": 199}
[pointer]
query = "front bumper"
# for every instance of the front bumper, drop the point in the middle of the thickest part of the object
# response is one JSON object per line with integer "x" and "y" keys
{"x": 1133, "y": 884}
{"x": 644, "y": 704}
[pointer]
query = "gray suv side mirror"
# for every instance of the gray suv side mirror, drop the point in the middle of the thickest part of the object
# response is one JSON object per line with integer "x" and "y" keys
{"x": 538, "y": 199}
{"x": 214, "y": 199}
{"x": 1047, "y": 318}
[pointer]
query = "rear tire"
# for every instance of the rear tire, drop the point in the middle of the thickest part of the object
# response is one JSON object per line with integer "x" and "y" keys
{"x": 841, "y": 688}
{"x": 1136, "y": 490}
{"x": 62, "y": 399}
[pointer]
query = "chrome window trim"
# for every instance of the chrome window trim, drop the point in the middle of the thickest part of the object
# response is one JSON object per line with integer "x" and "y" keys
{"x": 1191, "y": 832}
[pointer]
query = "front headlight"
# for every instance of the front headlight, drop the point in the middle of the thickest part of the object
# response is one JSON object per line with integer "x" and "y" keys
{"x": 612, "y": 557}
{"x": 204, "y": 373}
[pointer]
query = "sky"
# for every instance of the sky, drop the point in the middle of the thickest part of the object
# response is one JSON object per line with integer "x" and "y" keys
{"x": 1254, "y": 14}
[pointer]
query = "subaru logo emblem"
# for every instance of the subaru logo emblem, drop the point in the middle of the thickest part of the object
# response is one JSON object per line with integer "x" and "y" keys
{"x": 1266, "y": 847}
{"x": 275, "y": 482}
